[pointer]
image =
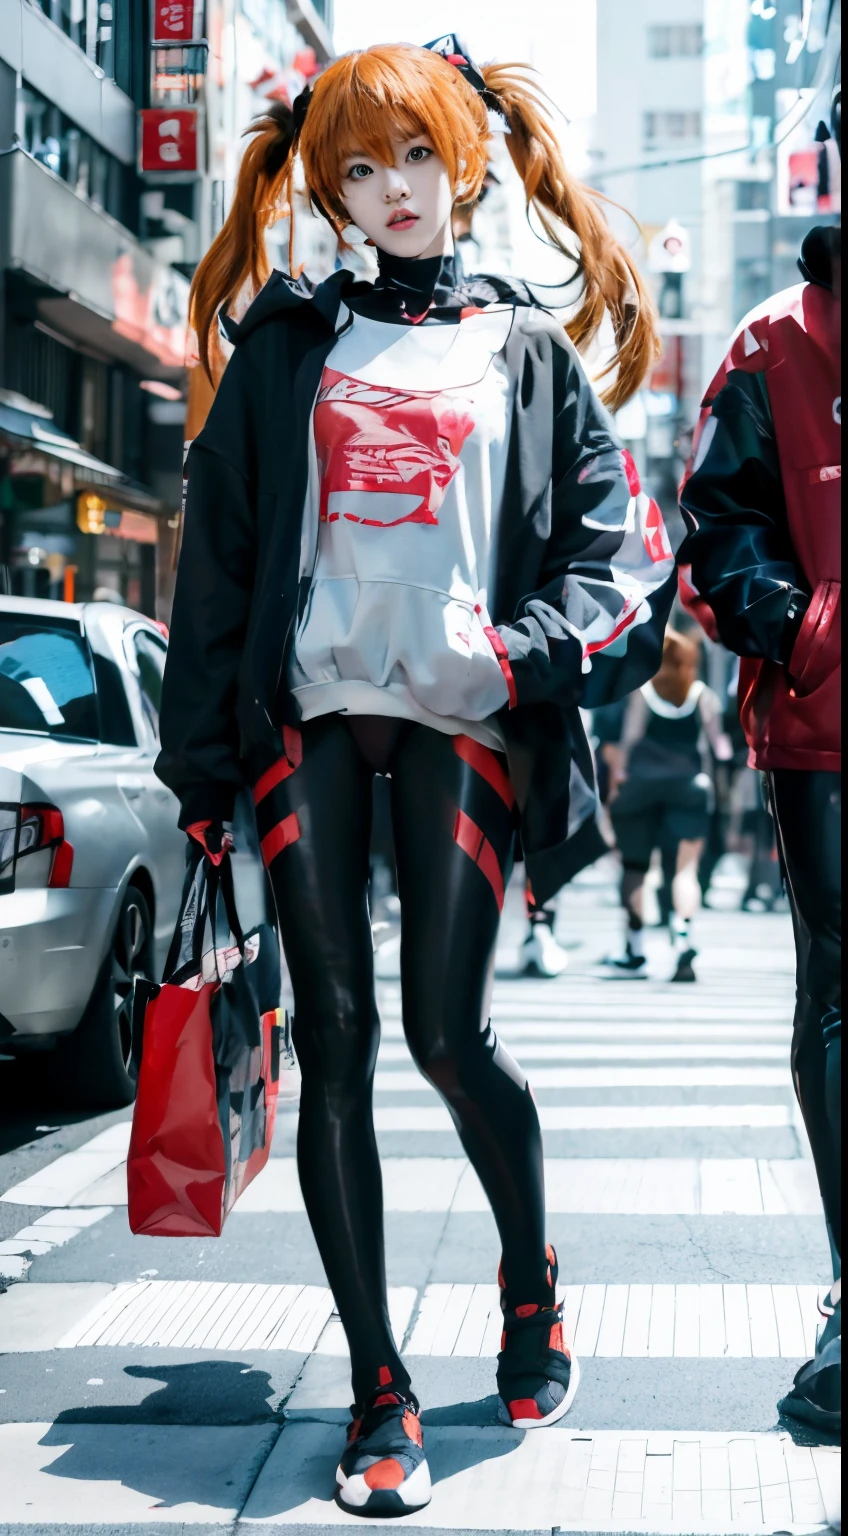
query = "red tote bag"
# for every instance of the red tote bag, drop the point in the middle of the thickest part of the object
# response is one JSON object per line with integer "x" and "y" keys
{"x": 207, "y": 1045}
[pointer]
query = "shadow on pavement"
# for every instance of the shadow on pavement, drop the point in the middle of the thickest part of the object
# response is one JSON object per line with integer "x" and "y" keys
{"x": 301, "y": 1469}
{"x": 230, "y": 1392}
{"x": 33, "y": 1102}
{"x": 211, "y": 1466}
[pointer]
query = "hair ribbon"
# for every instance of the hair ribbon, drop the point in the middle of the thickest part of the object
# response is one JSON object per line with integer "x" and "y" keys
{"x": 300, "y": 106}
{"x": 451, "y": 49}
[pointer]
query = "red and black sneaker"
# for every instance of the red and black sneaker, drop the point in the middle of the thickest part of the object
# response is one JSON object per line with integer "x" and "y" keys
{"x": 537, "y": 1374}
{"x": 384, "y": 1471}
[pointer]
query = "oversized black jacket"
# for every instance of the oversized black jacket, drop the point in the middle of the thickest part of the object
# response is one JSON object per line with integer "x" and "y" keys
{"x": 582, "y": 584}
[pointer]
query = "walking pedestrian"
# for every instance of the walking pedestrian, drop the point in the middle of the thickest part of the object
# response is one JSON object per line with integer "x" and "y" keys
{"x": 412, "y": 546}
{"x": 762, "y": 505}
{"x": 541, "y": 953}
{"x": 660, "y": 797}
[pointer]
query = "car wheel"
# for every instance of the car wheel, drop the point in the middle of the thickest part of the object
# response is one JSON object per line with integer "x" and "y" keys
{"x": 97, "y": 1056}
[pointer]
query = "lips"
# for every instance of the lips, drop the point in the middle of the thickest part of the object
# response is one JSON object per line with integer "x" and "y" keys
{"x": 402, "y": 221}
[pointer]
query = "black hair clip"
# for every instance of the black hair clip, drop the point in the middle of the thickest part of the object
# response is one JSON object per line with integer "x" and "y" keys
{"x": 451, "y": 49}
{"x": 300, "y": 106}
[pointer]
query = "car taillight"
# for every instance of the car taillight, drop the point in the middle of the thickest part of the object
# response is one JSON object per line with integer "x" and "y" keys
{"x": 9, "y": 817}
{"x": 43, "y": 827}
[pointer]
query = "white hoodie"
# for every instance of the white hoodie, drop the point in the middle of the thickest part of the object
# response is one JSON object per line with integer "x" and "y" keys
{"x": 408, "y": 451}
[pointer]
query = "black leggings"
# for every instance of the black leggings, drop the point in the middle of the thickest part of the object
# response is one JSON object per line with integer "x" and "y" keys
{"x": 808, "y": 814}
{"x": 452, "y": 812}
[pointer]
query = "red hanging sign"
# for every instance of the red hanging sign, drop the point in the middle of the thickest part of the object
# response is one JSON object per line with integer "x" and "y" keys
{"x": 173, "y": 21}
{"x": 168, "y": 139}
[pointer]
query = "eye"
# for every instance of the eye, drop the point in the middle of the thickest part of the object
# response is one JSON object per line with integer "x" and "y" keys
{"x": 418, "y": 153}
{"x": 358, "y": 172}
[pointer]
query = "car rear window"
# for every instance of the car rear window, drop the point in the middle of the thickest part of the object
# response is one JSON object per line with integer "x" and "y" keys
{"x": 46, "y": 681}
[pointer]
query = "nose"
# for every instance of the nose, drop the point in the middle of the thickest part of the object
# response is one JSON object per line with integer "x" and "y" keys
{"x": 396, "y": 188}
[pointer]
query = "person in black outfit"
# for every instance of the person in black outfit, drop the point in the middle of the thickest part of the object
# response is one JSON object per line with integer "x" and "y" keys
{"x": 413, "y": 546}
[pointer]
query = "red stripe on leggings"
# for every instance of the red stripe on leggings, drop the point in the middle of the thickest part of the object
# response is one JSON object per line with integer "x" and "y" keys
{"x": 281, "y": 836}
{"x": 293, "y": 743}
{"x": 485, "y": 762}
{"x": 468, "y": 837}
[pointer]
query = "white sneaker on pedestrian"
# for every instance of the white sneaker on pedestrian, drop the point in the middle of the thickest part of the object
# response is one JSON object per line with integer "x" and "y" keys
{"x": 290, "y": 1081}
{"x": 541, "y": 955}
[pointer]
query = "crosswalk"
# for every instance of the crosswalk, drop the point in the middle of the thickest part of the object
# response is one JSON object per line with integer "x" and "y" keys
{"x": 605, "y": 1321}
{"x": 146, "y": 1382}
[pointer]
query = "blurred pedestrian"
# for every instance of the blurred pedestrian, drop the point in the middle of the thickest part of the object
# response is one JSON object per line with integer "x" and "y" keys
{"x": 660, "y": 797}
{"x": 541, "y": 954}
{"x": 751, "y": 825}
{"x": 762, "y": 504}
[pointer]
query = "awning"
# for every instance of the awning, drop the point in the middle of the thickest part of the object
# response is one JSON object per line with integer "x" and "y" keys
{"x": 24, "y": 428}
{"x": 29, "y": 432}
{"x": 93, "y": 281}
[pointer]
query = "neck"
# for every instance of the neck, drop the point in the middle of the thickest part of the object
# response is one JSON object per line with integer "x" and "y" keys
{"x": 418, "y": 275}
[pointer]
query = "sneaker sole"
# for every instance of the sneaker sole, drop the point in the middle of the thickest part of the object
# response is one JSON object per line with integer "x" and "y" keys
{"x": 559, "y": 1412}
{"x": 535, "y": 971}
{"x": 805, "y": 1412}
{"x": 355, "y": 1497}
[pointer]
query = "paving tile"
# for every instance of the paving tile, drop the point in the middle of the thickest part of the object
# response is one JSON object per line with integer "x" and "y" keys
{"x": 91, "y": 1474}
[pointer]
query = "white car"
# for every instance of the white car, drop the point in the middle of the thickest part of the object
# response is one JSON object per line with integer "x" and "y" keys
{"x": 91, "y": 858}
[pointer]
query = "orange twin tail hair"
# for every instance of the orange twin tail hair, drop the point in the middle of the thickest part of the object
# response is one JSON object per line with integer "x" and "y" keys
{"x": 364, "y": 101}
{"x": 611, "y": 279}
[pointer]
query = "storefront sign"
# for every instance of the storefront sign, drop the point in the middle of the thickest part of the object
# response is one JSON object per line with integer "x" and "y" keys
{"x": 168, "y": 139}
{"x": 173, "y": 21}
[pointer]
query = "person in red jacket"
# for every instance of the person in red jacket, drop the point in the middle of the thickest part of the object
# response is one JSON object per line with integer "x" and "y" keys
{"x": 762, "y": 508}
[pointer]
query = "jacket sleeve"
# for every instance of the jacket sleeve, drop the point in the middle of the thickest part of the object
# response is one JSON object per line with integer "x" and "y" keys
{"x": 737, "y": 543}
{"x": 594, "y": 629}
{"x": 199, "y": 759}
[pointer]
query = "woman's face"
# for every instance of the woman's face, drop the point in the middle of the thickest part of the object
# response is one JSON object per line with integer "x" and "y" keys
{"x": 404, "y": 208}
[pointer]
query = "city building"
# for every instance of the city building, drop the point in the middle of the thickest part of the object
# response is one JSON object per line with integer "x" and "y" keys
{"x": 120, "y": 126}
{"x": 707, "y": 116}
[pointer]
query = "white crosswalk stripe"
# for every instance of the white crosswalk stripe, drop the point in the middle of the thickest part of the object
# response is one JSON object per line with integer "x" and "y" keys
{"x": 627, "y": 1050}
{"x": 634, "y": 1321}
{"x": 603, "y": 1117}
{"x": 610, "y": 1481}
{"x": 543, "y": 1078}
{"x": 598, "y": 1186}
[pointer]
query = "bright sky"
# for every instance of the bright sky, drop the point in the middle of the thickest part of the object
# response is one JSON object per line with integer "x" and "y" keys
{"x": 557, "y": 37}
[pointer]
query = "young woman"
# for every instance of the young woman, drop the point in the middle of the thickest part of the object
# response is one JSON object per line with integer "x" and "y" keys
{"x": 660, "y": 796}
{"x": 413, "y": 546}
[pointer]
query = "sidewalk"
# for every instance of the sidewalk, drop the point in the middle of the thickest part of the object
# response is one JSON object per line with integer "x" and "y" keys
{"x": 202, "y": 1386}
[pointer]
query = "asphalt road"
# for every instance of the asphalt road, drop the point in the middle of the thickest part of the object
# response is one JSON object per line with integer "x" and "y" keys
{"x": 202, "y": 1385}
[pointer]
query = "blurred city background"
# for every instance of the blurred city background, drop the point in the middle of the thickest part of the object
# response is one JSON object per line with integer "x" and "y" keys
{"x": 682, "y": 1191}
{"x": 120, "y": 135}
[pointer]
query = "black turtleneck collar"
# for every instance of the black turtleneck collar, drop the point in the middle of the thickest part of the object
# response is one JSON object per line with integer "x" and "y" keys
{"x": 407, "y": 288}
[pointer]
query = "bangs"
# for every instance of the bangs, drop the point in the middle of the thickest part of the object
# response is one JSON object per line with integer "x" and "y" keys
{"x": 366, "y": 101}
{"x": 372, "y": 128}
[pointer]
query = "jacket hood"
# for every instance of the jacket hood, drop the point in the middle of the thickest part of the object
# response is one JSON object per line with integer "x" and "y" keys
{"x": 287, "y": 293}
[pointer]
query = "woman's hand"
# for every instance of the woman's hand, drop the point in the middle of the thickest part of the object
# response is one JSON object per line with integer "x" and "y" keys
{"x": 215, "y": 838}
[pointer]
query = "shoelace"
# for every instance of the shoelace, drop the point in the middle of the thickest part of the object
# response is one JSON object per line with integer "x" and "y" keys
{"x": 369, "y": 1418}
